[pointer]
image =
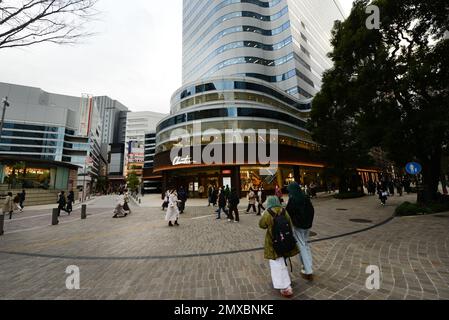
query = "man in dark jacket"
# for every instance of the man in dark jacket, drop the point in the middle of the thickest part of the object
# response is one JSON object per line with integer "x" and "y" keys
{"x": 61, "y": 203}
{"x": 221, "y": 204}
{"x": 233, "y": 206}
{"x": 22, "y": 197}
{"x": 302, "y": 215}
{"x": 182, "y": 197}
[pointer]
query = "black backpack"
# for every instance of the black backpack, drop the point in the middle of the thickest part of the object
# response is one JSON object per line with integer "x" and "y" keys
{"x": 283, "y": 240}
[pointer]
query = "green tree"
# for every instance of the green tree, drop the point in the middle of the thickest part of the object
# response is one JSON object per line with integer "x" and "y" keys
{"x": 133, "y": 181}
{"x": 389, "y": 87}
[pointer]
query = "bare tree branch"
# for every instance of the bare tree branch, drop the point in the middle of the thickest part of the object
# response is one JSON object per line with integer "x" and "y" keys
{"x": 28, "y": 22}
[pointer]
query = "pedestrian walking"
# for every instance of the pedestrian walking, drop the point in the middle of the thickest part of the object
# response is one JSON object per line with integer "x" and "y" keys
{"x": 399, "y": 187}
{"x": 233, "y": 202}
{"x": 8, "y": 205}
{"x": 302, "y": 214}
{"x": 172, "y": 215}
{"x": 182, "y": 197}
{"x": 227, "y": 192}
{"x": 70, "y": 201}
{"x": 383, "y": 196}
{"x": 22, "y": 198}
{"x": 16, "y": 201}
{"x": 62, "y": 202}
{"x": 126, "y": 202}
{"x": 119, "y": 211}
{"x": 221, "y": 204}
{"x": 210, "y": 195}
{"x": 201, "y": 191}
{"x": 251, "y": 201}
{"x": 279, "y": 244}
{"x": 261, "y": 198}
{"x": 165, "y": 198}
{"x": 215, "y": 196}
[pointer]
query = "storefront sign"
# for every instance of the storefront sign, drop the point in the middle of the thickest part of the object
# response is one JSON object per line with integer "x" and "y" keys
{"x": 182, "y": 160}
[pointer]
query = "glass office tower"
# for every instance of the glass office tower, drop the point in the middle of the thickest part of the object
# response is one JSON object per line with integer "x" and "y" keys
{"x": 248, "y": 64}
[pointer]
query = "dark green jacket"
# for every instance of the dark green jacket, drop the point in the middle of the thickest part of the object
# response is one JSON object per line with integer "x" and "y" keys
{"x": 267, "y": 223}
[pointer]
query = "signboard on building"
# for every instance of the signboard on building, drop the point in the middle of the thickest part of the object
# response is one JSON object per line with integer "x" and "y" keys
{"x": 86, "y": 105}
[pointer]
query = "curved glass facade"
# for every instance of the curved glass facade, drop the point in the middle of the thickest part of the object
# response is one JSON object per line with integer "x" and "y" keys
{"x": 228, "y": 85}
{"x": 231, "y": 112}
{"x": 237, "y": 14}
{"x": 241, "y": 44}
{"x": 241, "y": 28}
{"x": 217, "y": 8}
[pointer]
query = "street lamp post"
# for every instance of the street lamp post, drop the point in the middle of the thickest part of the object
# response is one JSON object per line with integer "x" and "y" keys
{"x": 5, "y": 105}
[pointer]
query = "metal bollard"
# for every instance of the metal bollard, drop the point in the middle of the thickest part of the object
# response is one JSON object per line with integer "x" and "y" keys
{"x": 54, "y": 217}
{"x": 84, "y": 212}
{"x": 2, "y": 223}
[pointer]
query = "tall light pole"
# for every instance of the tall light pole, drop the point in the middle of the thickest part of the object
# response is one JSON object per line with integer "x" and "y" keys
{"x": 5, "y": 105}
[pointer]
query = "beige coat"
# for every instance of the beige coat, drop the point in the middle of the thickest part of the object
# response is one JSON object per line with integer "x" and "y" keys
{"x": 8, "y": 206}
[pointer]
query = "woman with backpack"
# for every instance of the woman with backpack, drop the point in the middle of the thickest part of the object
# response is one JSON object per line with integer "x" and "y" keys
{"x": 302, "y": 214}
{"x": 279, "y": 244}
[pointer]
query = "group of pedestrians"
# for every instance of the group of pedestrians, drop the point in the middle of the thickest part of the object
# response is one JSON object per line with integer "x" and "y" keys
{"x": 122, "y": 208}
{"x": 12, "y": 203}
{"x": 65, "y": 203}
{"x": 287, "y": 235}
{"x": 388, "y": 188}
{"x": 228, "y": 202}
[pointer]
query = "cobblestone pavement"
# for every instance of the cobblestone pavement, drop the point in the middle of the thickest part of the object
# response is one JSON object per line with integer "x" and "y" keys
{"x": 139, "y": 257}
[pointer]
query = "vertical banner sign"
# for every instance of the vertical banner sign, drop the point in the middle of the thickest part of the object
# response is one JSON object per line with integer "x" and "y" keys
{"x": 85, "y": 114}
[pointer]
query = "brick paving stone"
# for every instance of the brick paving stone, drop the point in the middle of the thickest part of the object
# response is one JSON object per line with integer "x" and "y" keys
{"x": 414, "y": 261}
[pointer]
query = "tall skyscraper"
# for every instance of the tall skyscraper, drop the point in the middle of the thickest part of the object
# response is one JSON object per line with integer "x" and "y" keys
{"x": 247, "y": 64}
{"x": 283, "y": 42}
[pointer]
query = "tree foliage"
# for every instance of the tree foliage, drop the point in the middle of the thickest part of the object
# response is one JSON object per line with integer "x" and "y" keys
{"x": 389, "y": 87}
{"x": 133, "y": 181}
{"x": 27, "y": 22}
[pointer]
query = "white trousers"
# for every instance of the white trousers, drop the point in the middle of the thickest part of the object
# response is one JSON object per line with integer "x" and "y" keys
{"x": 280, "y": 274}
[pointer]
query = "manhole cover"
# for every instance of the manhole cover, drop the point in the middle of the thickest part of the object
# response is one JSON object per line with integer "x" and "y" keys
{"x": 342, "y": 209}
{"x": 360, "y": 221}
{"x": 313, "y": 234}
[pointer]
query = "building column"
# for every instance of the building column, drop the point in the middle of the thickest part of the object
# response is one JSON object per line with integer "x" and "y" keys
{"x": 164, "y": 181}
{"x": 297, "y": 174}
{"x": 235, "y": 180}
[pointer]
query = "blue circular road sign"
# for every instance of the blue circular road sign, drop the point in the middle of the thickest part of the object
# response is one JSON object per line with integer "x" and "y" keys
{"x": 413, "y": 168}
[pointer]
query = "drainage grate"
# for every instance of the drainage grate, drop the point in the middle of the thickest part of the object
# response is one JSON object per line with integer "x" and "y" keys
{"x": 342, "y": 209}
{"x": 360, "y": 221}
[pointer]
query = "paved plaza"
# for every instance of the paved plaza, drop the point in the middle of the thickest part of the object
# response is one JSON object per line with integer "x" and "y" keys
{"x": 140, "y": 257}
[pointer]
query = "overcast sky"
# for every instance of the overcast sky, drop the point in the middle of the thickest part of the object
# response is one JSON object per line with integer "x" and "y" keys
{"x": 134, "y": 58}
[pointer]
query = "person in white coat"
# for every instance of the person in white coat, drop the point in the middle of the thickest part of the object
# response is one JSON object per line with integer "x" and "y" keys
{"x": 119, "y": 211}
{"x": 172, "y": 214}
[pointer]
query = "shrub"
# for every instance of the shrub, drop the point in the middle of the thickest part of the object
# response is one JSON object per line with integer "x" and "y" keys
{"x": 413, "y": 209}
